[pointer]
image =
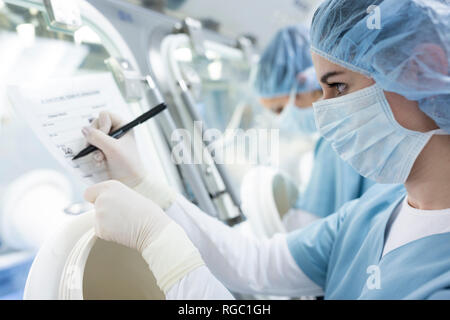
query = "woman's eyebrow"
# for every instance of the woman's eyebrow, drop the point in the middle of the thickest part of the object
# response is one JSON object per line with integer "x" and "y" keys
{"x": 324, "y": 78}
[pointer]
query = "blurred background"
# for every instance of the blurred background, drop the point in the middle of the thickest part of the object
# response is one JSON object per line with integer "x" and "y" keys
{"x": 37, "y": 194}
{"x": 258, "y": 20}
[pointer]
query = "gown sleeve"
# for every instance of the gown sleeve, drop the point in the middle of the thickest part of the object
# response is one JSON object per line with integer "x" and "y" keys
{"x": 199, "y": 284}
{"x": 240, "y": 263}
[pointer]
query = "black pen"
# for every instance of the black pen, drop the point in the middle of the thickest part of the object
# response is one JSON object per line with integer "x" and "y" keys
{"x": 121, "y": 131}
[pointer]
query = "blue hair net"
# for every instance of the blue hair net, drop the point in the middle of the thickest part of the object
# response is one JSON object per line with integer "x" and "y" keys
{"x": 282, "y": 66}
{"x": 404, "y": 45}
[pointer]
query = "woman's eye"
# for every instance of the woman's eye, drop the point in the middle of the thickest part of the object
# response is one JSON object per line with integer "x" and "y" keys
{"x": 278, "y": 110}
{"x": 340, "y": 88}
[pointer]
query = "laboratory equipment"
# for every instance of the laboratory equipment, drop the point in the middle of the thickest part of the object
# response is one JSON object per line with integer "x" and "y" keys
{"x": 27, "y": 35}
{"x": 148, "y": 54}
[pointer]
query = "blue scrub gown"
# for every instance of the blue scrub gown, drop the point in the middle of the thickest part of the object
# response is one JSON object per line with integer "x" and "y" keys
{"x": 340, "y": 252}
{"x": 333, "y": 182}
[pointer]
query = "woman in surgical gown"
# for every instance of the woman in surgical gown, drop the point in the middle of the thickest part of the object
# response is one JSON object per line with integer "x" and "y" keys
{"x": 386, "y": 112}
{"x": 287, "y": 85}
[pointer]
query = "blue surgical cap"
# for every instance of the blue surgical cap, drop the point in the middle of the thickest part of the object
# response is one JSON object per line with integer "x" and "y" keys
{"x": 404, "y": 45}
{"x": 282, "y": 65}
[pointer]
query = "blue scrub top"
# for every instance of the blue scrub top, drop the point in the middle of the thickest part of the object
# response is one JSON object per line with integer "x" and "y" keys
{"x": 343, "y": 253}
{"x": 333, "y": 182}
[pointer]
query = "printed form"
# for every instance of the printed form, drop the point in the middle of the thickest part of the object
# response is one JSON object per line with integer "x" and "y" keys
{"x": 59, "y": 109}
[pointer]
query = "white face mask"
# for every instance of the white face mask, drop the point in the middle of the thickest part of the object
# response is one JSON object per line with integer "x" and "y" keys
{"x": 364, "y": 132}
{"x": 297, "y": 120}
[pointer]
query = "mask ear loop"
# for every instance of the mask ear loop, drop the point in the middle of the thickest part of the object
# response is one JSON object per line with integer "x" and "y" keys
{"x": 439, "y": 132}
{"x": 286, "y": 112}
{"x": 292, "y": 98}
{"x": 291, "y": 103}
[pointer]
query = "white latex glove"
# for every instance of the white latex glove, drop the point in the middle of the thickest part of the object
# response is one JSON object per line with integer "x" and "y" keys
{"x": 123, "y": 161}
{"x": 128, "y": 218}
{"x": 124, "y": 216}
{"x": 285, "y": 192}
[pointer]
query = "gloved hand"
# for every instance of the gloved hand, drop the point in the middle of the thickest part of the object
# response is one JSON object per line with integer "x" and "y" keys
{"x": 123, "y": 161}
{"x": 122, "y": 156}
{"x": 123, "y": 216}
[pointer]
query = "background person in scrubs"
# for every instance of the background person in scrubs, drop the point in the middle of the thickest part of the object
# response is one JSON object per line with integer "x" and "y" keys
{"x": 386, "y": 111}
{"x": 287, "y": 85}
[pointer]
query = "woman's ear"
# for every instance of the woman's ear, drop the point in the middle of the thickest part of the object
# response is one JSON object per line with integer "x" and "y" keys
{"x": 408, "y": 114}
